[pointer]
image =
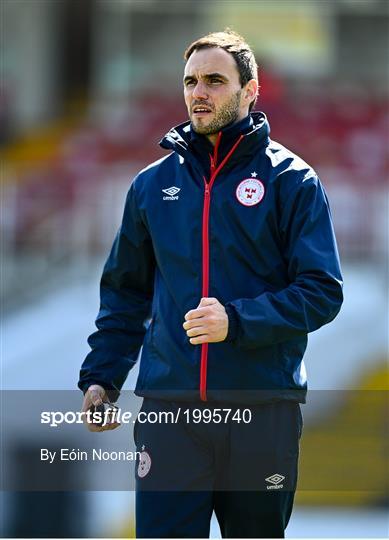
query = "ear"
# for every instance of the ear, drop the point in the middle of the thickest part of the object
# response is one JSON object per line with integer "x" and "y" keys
{"x": 250, "y": 91}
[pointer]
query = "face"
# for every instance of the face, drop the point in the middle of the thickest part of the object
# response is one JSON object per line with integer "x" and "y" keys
{"x": 213, "y": 93}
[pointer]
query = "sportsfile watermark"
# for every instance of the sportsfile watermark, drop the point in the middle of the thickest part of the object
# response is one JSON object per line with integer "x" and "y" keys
{"x": 47, "y": 446}
{"x": 112, "y": 414}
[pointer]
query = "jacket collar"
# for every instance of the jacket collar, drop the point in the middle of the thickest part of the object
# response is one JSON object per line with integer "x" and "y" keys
{"x": 192, "y": 146}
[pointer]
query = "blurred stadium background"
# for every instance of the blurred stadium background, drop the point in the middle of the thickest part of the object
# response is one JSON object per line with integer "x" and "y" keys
{"x": 88, "y": 87}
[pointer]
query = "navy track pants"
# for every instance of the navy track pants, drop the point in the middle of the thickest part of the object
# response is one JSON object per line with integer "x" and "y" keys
{"x": 192, "y": 463}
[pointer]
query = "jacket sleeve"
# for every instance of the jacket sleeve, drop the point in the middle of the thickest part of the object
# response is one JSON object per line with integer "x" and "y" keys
{"x": 126, "y": 291}
{"x": 314, "y": 294}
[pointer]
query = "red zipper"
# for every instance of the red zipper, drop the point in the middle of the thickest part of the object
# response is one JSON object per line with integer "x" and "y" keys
{"x": 215, "y": 169}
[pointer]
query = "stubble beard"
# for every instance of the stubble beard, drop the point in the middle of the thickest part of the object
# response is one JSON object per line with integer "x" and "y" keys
{"x": 227, "y": 114}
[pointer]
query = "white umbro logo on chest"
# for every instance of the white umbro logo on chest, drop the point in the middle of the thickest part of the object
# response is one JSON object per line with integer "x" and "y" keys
{"x": 171, "y": 193}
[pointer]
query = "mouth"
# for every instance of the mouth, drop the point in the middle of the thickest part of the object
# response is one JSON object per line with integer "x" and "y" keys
{"x": 201, "y": 110}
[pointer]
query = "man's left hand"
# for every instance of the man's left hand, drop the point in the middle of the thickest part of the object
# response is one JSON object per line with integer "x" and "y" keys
{"x": 208, "y": 323}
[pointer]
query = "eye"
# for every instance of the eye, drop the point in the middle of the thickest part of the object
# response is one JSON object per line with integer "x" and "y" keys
{"x": 215, "y": 80}
{"x": 190, "y": 82}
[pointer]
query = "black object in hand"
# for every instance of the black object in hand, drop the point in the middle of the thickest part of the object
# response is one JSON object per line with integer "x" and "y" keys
{"x": 102, "y": 408}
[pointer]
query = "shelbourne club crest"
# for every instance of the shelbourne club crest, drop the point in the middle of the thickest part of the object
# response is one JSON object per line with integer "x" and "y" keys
{"x": 250, "y": 192}
{"x": 144, "y": 465}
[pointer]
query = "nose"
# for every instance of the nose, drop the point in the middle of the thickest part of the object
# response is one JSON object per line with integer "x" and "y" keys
{"x": 200, "y": 91}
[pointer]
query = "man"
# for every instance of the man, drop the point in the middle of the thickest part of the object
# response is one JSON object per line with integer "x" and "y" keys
{"x": 227, "y": 243}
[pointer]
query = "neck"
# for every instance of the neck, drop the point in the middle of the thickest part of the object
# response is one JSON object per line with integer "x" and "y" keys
{"x": 212, "y": 138}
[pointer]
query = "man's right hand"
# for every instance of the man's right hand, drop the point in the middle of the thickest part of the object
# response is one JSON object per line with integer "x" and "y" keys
{"x": 96, "y": 395}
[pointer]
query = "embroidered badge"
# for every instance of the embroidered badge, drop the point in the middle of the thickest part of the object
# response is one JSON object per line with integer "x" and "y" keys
{"x": 144, "y": 465}
{"x": 250, "y": 192}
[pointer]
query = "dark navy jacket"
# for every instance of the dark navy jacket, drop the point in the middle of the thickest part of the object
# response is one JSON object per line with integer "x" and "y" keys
{"x": 246, "y": 222}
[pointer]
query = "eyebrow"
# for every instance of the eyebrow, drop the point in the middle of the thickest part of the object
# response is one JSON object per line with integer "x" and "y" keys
{"x": 207, "y": 77}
